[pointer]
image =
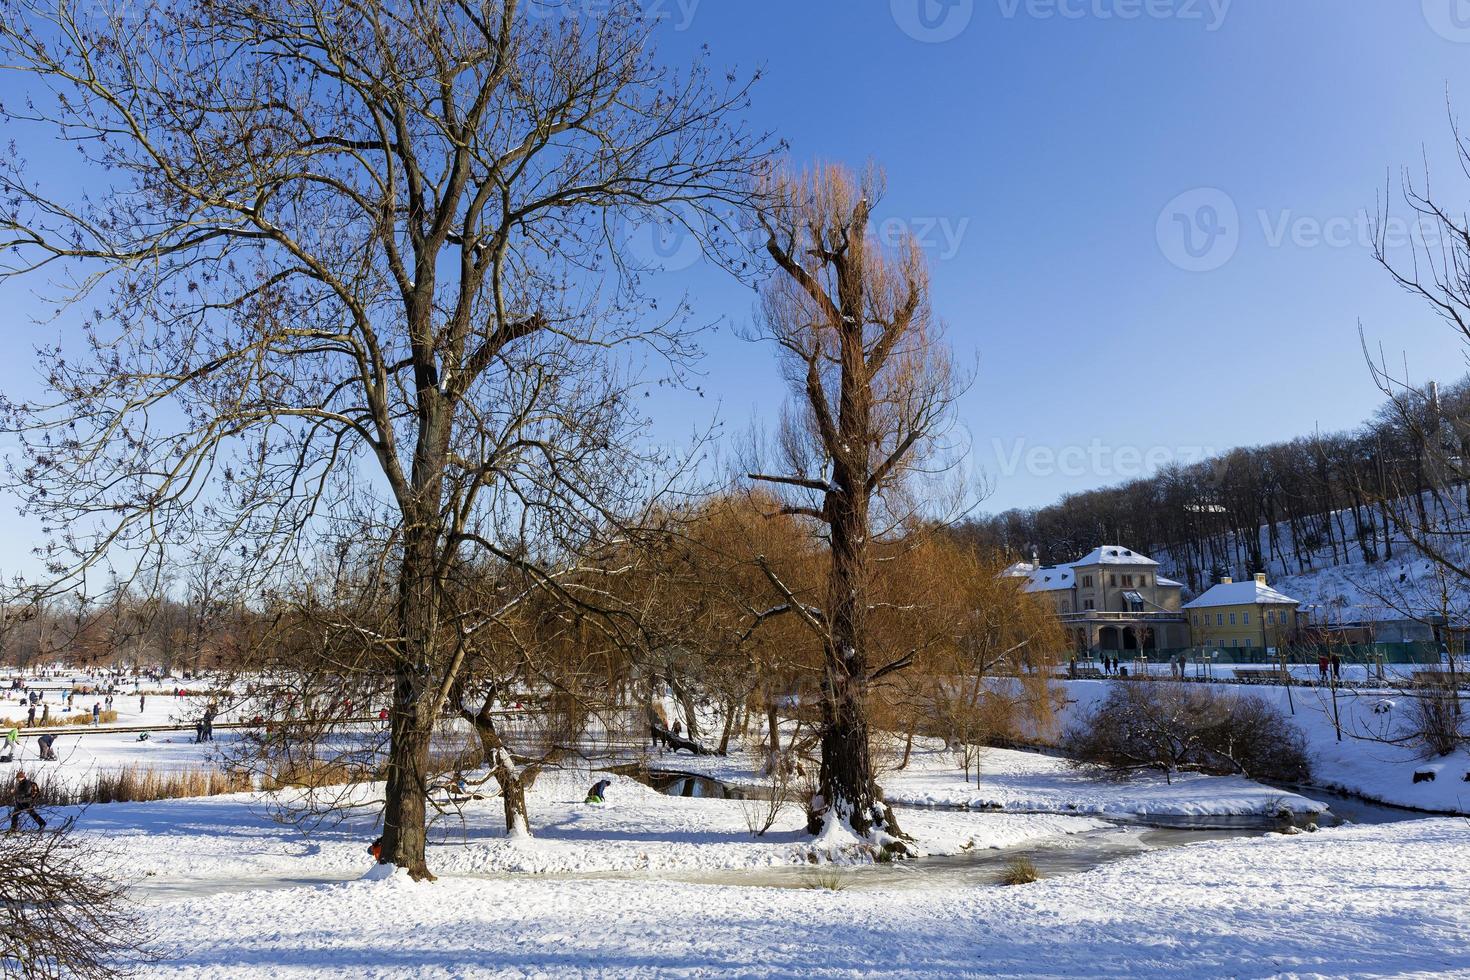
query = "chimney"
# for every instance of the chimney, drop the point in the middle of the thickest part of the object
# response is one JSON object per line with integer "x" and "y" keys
{"x": 1226, "y": 580}
{"x": 1260, "y": 578}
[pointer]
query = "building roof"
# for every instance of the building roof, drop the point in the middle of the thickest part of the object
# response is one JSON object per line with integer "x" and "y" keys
{"x": 1051, "y": 578}
{"x": 1113, "y": 554}
{"x": 1248, "y": 593}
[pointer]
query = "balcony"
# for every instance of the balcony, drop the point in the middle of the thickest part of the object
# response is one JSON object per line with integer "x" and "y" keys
{"x": 1112, "y": 616}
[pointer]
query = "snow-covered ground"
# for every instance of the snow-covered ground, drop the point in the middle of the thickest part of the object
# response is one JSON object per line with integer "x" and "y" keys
{"x": 1380, "y": 900}
{"x": 650, "y": 884}
{"x": 1015, "y": 781}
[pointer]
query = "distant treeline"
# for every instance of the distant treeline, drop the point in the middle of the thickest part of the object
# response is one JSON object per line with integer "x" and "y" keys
{"x": 1316, "y": 501}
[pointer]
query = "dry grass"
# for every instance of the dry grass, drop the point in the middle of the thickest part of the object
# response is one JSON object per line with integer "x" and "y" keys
{"x": 62, "y": 721}
{"x": 313, "y": 774}
{"x": 135, "y": 785}
{"x": 1020, "y": 871}
{"x": 826, "y": 879}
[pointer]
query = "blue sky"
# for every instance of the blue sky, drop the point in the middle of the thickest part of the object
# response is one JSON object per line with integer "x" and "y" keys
{"x": 1048, "y": 146}
{"x": 1052, "y": 154}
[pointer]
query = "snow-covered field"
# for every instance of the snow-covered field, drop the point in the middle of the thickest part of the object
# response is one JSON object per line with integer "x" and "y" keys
{"x": 650, "y": 884}
{"x": 607, "y": 891}
{"x": 1362, "y": 901}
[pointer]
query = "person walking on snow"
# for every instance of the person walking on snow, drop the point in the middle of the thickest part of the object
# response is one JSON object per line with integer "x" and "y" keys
{"x": 31, "y": 717}
{"x": 142, "y": 698}
{"x": 96, "y": 713}
{"x": 24, "y": 801}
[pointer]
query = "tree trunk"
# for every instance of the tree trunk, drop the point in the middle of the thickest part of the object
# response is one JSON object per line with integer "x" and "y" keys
{"x": 514, "y": 781}
{"x": 773, "y": 731}
{"x": 686, "y": 701}
{"x": 411, "y": 723}
{"x": 846, "y": 786}
{"x": 730, "y": 712}
{"x": 404, "y": 817}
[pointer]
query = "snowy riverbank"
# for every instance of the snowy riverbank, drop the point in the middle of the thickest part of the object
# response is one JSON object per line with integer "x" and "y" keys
{"x": 1362, "y": 900}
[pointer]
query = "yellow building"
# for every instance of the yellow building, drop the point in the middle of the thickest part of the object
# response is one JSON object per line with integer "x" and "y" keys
{"x": 1245, "y": 616}
{"x": 1112, "y": 600}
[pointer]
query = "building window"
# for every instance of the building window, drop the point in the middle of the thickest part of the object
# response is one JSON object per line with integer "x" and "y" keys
{"x": 1270, "y": 616}
{"x": 1127, "y": 581}
{"x": 1087, "y": 604}
{"x": 1247, "y": 642}
{"x": 1113, "y": 580}
{"x": 1087, "y": 581}
{"x": 1232, "y": 619}
{"x": 1219, "y": 619}
{"x": 1247, "y": 619}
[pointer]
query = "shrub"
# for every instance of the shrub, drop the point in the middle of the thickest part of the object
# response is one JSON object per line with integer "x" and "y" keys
{"x": 1175, "y": 727}
{"x": 1020, "y": 871}
{"x": 61, "y": 914}
{"x": 1436, "y": 720}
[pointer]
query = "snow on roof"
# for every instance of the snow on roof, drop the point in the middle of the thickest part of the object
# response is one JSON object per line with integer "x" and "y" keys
{"x": 1050, "y": 579}
{"x": 1248, "y": 593}
{"x": 1113, "y": 554}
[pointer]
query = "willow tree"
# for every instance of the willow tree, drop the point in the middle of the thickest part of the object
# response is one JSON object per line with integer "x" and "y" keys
{"x": 348, "y": 258}
{"x": 873, "y": 387}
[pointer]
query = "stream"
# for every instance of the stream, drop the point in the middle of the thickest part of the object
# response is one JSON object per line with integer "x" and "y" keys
{"x": 1052, "y": 857}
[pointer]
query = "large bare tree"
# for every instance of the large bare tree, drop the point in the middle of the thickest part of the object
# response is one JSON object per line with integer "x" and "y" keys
{"x": 354, "y": 259}
{"x": 873, "y": 388}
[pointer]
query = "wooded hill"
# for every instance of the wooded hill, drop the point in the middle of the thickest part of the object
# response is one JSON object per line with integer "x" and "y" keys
{"x": 1292, "y": 507}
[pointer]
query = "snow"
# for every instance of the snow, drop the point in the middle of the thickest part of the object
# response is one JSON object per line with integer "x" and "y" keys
{"x": 1241, "y": 594}
{"x": 655, "y": 885}
{"x": 1031, "y": 782}
{"x": 1379, "y": 900}
{"x": 1357, "y": 764}
{"x": 1113, "y": 554}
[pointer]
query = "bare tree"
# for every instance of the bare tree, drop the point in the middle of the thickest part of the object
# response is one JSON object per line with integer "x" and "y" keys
{"x": 873, "y": 387}
{"x": 61, "y": 913}
{"x": 356, "y": 263}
